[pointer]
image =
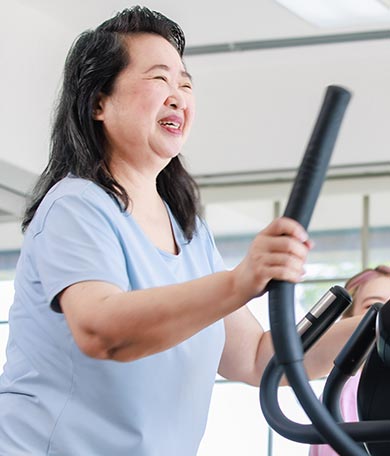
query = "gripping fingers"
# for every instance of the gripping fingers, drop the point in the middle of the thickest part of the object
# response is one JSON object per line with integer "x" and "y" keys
{"x": 285, "y": 267}
{"x": 287, "y": 226}
{"x": 277, "y": 252}
{"x": 290, "y": 246}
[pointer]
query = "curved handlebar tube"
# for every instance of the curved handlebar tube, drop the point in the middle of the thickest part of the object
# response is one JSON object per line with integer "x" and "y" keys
{"x": 300, "y": 206}
{"x": 373, "y": 430}
{"x": 349, "y": 360}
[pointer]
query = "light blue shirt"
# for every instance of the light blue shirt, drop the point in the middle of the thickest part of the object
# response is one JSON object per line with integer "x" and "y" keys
{"x": 54, "y": 400}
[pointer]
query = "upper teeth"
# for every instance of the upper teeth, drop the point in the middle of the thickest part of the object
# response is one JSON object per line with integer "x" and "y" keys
{"x": 171, "y": 124}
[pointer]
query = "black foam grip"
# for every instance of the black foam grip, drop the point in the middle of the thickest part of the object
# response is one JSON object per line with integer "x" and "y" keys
{"x": 300, "y": 206}
{"x": 288, "y": 347}
{"x": 311, "y": 173}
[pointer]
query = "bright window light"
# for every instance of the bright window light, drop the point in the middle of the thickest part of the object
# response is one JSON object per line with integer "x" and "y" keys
{"x": 338, "y": 13}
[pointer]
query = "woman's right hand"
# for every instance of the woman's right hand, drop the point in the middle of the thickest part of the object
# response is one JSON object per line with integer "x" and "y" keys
{"x": 278, "y": 252}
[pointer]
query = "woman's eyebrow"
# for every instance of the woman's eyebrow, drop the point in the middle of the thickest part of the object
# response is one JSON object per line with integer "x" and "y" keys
{"x": 377, "y": 298}
{"x": 161, "y": 66}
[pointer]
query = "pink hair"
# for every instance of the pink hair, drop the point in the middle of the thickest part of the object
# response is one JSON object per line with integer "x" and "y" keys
{"x": 354, "y": 283}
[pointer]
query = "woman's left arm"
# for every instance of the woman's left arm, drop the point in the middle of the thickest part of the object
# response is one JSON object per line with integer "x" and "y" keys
{"x": 248, "y": 348}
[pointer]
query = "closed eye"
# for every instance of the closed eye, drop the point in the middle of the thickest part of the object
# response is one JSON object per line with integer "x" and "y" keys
{"x": 162, "y": 78}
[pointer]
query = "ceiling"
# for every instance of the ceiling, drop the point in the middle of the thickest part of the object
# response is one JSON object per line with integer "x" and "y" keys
{"x": 36, "y": 34}
{"x": 204, "y": 21}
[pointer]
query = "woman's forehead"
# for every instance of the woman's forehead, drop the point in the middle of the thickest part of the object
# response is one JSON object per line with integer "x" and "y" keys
{"x": 377, "y": 287}
{"x": 150, "y": 47}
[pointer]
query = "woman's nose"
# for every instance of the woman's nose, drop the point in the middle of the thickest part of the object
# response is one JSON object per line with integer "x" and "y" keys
{"x": 176, "y": 101}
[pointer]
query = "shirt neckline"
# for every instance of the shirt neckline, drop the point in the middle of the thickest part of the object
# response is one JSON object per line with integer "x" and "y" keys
{"x": 177, "y": 232}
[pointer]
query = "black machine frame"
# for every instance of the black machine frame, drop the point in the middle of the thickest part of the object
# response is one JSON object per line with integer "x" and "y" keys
{"x": 347, "y": 438}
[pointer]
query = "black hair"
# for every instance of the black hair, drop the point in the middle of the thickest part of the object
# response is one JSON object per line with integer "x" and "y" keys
{"x": 77, "y": 140}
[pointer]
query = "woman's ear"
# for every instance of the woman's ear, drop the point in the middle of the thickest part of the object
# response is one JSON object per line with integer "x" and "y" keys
{"x": 98, "y": 109}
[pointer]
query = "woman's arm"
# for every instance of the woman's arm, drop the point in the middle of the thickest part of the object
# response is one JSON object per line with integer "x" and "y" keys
{"x": 248, "y": 348}
{"x": 109, "y": 323}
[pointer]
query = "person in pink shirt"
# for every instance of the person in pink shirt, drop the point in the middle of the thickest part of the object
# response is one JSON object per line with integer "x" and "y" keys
{"x": 366, "y": 288}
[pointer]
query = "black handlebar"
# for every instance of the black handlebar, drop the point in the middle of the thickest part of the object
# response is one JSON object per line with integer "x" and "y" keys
{"x": 300, "y": 206}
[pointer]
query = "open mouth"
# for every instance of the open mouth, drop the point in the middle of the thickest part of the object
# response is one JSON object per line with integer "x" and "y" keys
{"x": 170, "y": 124}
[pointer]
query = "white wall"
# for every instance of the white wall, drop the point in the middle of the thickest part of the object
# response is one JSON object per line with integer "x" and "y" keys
{"x": 31, "y": 52}
{"x": 256, "y": 109}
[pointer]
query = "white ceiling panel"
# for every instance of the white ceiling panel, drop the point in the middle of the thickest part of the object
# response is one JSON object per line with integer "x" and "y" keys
{"x": 256, "y": 109}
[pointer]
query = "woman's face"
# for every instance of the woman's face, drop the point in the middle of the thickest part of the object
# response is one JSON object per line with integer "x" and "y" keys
{"x": 375, "y": 290}
{"x": 149, "y": 113}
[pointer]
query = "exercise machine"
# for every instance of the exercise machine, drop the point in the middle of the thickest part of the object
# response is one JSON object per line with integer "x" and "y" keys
{"x": 370, "y": 342}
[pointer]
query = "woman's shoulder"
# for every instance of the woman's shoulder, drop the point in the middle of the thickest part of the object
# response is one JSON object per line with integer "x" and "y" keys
{"x": 73, "y": 195}
{"x": 73, "y": 186}
{"x": 76, "y": 188}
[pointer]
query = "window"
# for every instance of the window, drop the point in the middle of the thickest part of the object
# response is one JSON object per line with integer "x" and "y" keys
{"x": 7, "y": 272}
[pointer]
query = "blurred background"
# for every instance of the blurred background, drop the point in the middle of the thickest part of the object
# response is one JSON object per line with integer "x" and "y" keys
{"x": 260, "y": 69}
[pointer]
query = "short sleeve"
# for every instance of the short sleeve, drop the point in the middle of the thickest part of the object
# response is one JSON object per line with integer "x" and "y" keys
{"x": 217, "y": 260}
{"x": 77, "y": 241}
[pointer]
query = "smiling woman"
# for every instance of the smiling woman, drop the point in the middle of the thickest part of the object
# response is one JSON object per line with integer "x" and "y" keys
{"x": 150, "y": 108}
{"x": 124, "y": 311}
